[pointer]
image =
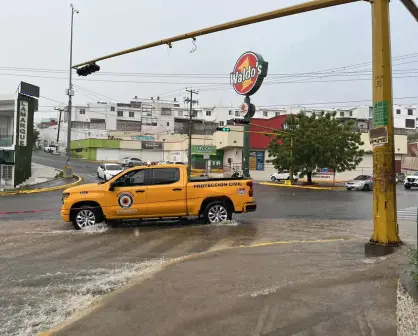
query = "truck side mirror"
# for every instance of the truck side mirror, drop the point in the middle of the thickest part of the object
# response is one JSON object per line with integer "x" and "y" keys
{"x": 112, "y": 186}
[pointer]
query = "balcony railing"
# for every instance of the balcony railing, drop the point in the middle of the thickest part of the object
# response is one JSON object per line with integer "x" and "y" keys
{"x": 6, "y": 140}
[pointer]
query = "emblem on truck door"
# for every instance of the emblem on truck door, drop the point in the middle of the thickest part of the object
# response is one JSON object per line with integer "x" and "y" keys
{"x": 125, "y": 200}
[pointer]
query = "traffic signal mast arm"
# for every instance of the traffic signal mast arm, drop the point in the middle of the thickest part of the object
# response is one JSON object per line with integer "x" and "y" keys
{"x": 278, "y": 13}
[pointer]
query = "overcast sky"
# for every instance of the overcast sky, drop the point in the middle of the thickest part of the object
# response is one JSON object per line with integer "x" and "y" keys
{"x": 35, "y": 34}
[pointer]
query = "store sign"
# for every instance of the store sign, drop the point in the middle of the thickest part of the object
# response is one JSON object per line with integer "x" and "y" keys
{"x": 23, "y": 123}
{"x": 143, "y": 138}
{"x": 248, "y": 73}
{"x": 201, "y": 150}
{"x": 152, "y": 145}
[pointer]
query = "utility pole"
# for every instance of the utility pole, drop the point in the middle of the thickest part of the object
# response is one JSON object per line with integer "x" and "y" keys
{"x": 59, "y": 122}
{"x": 246, "y": 141}
{"x": 382, "y": 134}
{"x": 189, "y": 153}
{"x": 68, "y": 171}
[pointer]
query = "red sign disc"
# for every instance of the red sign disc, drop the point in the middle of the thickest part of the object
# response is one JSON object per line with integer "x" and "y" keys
{"x": 248, "y": 73}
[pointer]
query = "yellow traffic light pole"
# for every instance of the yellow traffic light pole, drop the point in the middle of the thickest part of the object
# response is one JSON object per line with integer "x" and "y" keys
{"x": 384, "y": 209}
{"x": 384, "y": 195}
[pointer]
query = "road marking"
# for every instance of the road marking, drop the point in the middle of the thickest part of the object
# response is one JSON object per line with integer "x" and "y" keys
{"x": 409, "y": 214}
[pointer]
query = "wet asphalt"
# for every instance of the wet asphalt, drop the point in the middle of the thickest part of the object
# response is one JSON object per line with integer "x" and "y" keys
{"x": 50, "y": 271}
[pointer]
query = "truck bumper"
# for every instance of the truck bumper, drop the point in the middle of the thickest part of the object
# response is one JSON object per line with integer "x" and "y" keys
{"x": 65, "y": 215}
{"x": 250, "y": 207}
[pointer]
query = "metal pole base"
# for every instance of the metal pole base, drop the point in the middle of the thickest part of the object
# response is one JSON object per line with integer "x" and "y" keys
{"x": 68, "y": 171}
{"x": 372, "y": 249}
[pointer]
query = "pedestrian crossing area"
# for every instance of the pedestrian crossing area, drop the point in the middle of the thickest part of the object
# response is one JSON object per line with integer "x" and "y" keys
{"x": 408, "y": 214}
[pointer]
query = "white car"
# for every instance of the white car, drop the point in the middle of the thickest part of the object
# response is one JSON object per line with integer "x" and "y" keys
{"x": 283, "y": 175}
{"x": 361, "y": 182}
{"x": 108, "y": 170}
{"x": 411, "y": 181}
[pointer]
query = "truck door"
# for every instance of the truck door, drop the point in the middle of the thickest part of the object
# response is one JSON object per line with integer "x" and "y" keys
{"x": 166, "y": 194}
{"x": 129, "y": 197}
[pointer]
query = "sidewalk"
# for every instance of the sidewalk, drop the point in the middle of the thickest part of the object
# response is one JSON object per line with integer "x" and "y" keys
{"x": 319, "y": 185}
{"x": 43, "y": 179}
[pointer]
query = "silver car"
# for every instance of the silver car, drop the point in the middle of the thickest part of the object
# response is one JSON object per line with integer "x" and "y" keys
{"x": 361, "y": 182}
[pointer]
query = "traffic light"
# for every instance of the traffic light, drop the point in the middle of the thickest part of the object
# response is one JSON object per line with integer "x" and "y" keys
{"x": 223, "y": 129}
{"x": 88, "y": 69}
{"x": 240, "y": 121}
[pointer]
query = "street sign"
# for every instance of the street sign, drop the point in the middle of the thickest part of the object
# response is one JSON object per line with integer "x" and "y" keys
{"x": 248, "y": 73}
{"x": 243, "y": 109}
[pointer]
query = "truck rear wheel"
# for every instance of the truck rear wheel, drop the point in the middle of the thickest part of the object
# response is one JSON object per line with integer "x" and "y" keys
{"x": 217, "y": 212}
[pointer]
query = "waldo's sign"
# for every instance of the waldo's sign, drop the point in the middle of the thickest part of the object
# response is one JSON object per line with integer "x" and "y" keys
{"x": 248, "y": 73}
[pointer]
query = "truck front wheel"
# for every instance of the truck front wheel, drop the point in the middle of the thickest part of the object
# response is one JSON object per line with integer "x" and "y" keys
{"x": 217, "y": 212}
{"x": 84, "y": 217}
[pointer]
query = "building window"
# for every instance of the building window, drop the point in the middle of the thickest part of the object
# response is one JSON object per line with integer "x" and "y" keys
{"x": 180, "y": 113}
{"x": 82, "y": 111}
{"x": 131, "y": 114}
{"x": 265, "y": 113}
{"x": 341, "y": 114}
{"x": 410, "y": 112}
{"x": 409, "y": 123}
{"x": 120, "y": 113}
{"x": 237, "y": 113}
{"x": 208, "y": 113}
{"x": 221, "y": 123}
{"x": 168, "y": 123}
{"x": 6, "y": 172}
{"x": 165, "y": 111}
{"x": 351, "y": 113}
{"x": 398, "y": 111}
{"x": 230, "y": 112}
{"x": 112, "y": 108}
{"x": 277, "y": 114}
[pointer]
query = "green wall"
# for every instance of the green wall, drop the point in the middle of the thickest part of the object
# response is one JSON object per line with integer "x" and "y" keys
{"x": 95, "y": 143}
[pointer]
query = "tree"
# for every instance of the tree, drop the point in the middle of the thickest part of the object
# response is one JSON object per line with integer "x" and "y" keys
{"x": 320, "y": 141}
{"x": 35, "y": 138}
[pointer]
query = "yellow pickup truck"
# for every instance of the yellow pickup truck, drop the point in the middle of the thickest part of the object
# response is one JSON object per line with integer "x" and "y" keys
{"x": 157, "y": 192}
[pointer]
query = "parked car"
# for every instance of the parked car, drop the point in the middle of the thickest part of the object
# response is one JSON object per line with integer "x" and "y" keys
{"x": 283, "y": 175}
{"x": 361, "y": 182}
{"x": 400, "y": 177}
{"x": 51, "y": 149}
{"x": 108, "y": 170}
{"x": 411, "y": 181}
{"x": 131, "y": 162}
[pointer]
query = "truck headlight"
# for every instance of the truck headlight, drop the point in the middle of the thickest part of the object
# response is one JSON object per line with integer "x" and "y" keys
{"x": 64, "y": 196}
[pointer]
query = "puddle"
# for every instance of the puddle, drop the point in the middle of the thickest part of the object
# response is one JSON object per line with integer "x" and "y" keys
{"x": 227, "y": 223}
{"x": 32, "y": 310}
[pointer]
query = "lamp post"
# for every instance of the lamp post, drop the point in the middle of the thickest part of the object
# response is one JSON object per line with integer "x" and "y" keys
{"x": 68, "y": 171}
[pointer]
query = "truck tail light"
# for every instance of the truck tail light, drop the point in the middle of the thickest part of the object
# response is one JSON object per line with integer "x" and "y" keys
{"x": 251, "y": 191}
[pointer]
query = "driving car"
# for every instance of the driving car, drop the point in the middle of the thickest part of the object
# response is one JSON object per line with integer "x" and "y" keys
{"x": 361, "y": 182}
{"x": 283, "y": 175}
{"x": 108, "y": 170}
{"x": 411, "y": 181}
{"x": 131, "y": 162}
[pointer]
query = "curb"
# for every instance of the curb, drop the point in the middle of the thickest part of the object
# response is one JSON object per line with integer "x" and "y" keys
{"x": 301, "y": 187}
{"x": 34, "y": 191}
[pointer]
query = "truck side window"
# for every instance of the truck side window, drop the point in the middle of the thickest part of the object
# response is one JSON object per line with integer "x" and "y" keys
{"x": 165, "y": 175}
{"x": 133, "y": 178}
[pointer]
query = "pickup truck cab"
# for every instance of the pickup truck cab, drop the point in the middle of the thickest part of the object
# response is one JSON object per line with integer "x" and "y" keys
{"x": 156, "y": 192}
